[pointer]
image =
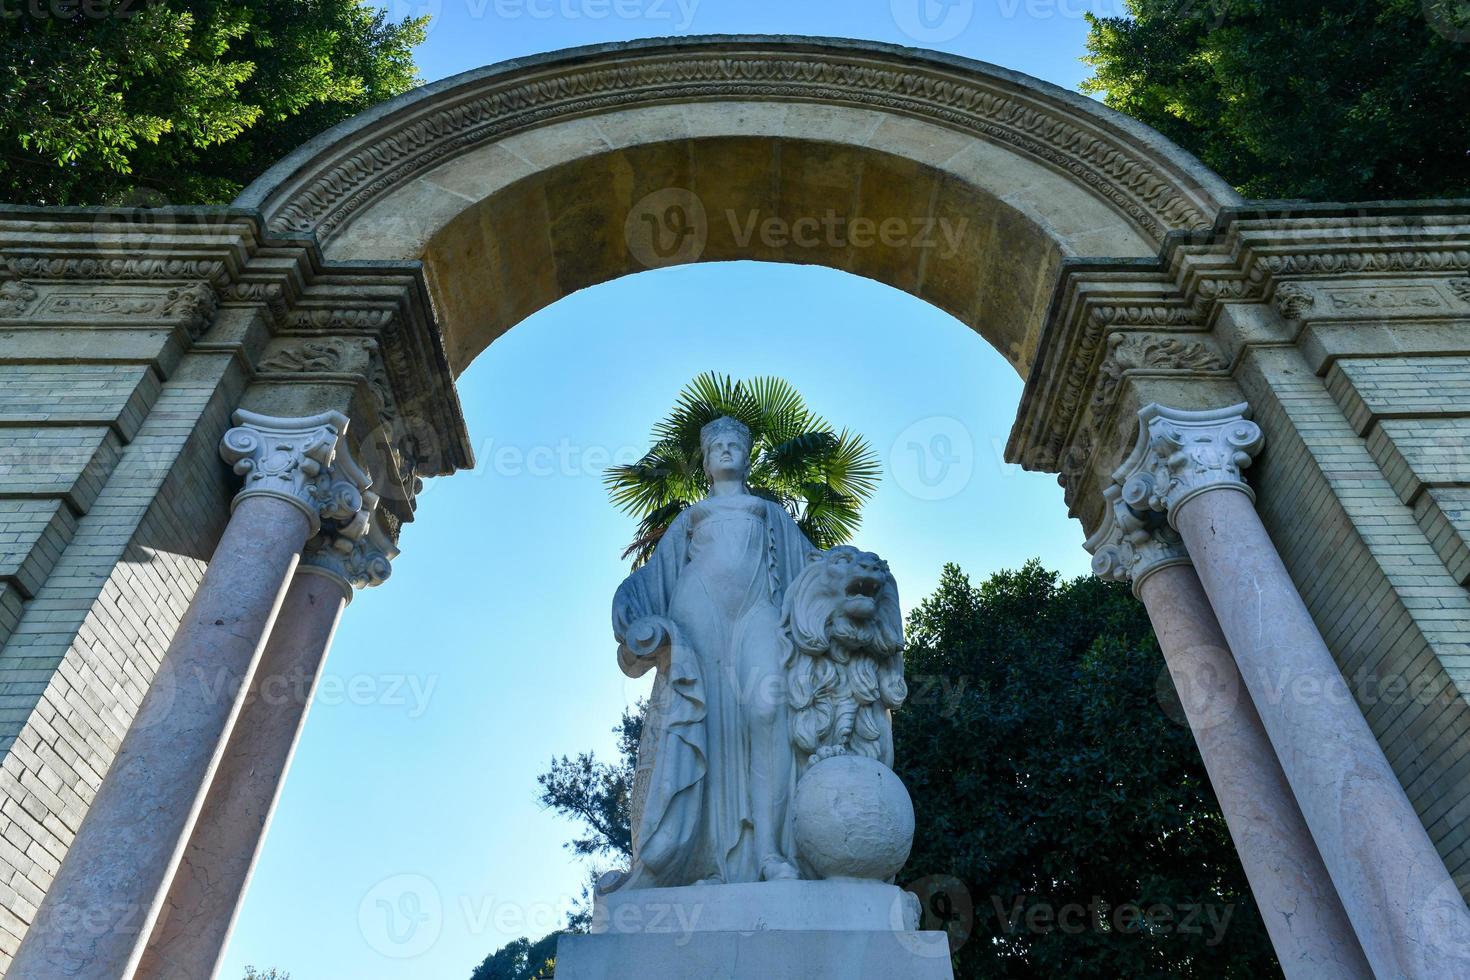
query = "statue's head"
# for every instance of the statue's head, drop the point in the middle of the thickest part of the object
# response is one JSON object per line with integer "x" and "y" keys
{"x": 725, "y": 446}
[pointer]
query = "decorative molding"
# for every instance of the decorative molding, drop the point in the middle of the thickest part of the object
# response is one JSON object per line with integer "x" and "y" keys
{"x": 1150, "y": 194}
{"x": 341, "y": 319}
{"x": 1461, "y": 289}
{"x": 1384, "y": 259}
{"x": 1132, "y": 545}
{"x": 64, "y": 267}
{"x": 16, "y": 297}
{"x": 272, "y": 294}
{"x": 1181, "y": 454}
{"x": 1293, "y": 300}
{"x": 289, "y": 459}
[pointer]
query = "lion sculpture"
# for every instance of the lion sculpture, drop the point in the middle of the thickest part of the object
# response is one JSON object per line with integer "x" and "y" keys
{"x": 844, "y": 671}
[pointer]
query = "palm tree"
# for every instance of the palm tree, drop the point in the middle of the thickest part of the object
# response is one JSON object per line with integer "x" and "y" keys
{"x": 820, "y": 476}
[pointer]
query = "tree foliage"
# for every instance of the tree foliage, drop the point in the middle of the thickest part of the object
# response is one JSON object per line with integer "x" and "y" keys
{"x": 597, "y": 794}
{"x": 822, "y": 477}
{"x": 520, "y": 959}
{"x": 181, "y": 101}
{"x": 1342, "y": 100}
{"x": 1047, "y": 775}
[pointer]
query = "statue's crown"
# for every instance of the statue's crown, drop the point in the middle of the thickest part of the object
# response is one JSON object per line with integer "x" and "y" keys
{"x": 721, "y": 426}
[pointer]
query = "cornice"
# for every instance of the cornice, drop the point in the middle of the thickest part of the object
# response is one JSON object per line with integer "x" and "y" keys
{"x": 1254, "y": 254}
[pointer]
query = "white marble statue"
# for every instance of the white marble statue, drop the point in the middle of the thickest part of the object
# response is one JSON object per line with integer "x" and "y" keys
{"x": 772, "y": 657}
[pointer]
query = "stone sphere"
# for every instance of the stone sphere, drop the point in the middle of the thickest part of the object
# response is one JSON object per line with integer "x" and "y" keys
{"x": 854, "y": 819}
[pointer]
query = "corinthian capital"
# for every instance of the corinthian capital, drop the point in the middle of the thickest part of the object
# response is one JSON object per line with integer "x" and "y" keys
{"x": 1130, "y": 546}
{"x": 284, "y": 457}
{"x": 358, "y": 561}
{"x": 1181, "y": 454}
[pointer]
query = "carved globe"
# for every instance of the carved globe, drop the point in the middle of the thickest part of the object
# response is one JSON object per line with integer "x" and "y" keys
{"x": 854, "y": 819}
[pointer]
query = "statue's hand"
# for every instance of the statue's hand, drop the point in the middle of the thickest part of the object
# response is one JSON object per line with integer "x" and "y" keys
{"x": 645, "y": 645}
{"x": 646, "y": 636}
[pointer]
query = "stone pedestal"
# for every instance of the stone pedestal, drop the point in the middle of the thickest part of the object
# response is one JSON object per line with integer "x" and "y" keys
{"x": 782, "y": 930}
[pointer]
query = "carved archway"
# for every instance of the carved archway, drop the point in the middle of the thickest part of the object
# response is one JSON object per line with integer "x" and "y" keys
{"x": 515, "y": 184}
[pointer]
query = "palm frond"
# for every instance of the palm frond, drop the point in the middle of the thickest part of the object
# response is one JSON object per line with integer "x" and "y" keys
{"x": 821, "y": 477}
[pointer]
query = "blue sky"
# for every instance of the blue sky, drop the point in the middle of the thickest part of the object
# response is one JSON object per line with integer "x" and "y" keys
{"x": 408, "y": 842}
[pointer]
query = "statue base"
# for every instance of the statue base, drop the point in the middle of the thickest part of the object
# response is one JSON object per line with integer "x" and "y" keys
{"x": 802, "y": 930}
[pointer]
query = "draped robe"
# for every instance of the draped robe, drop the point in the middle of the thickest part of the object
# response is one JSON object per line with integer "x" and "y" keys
{"x": 710, "y": 599}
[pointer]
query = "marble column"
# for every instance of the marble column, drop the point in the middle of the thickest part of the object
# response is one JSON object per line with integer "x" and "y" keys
{"x": 1409, "y": 916}
{"x": 204, "y": 898}
{"x": 1303, "y": 916}
{"x": 106, "y": 894}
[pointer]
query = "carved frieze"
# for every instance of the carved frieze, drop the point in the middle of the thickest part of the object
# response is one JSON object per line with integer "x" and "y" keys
{"x": 90, "y": 267}
{"x": 1385, "y": 298}
{"x": 307, "y": 356}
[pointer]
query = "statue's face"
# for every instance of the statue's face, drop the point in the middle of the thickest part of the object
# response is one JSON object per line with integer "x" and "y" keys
{"x": 727, "y": 457}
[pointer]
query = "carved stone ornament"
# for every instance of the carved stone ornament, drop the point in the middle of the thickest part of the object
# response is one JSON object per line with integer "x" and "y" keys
{"x": 1461, "y": 289}
{"x": 1181, "y": 454}
{"x": 289, "y": 459}
{"x": 1131, "y": 351}
{"x": 360, "y": 562}
{"x": 16, "y": 297}
{"x": 309, "y": 356}
{"x": 1132, "y": 545}
{"x": 193, "y": 304}
{"x": 1293, "y": 300}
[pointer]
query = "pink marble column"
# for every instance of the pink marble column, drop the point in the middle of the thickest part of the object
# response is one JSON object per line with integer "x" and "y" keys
{"x": 204, "y": 897}
{"x": 106, "y": 894}
{"x": 203, "y": 901}
{"x": 1298, "y": 903}
{"x": 1409, "y": 917}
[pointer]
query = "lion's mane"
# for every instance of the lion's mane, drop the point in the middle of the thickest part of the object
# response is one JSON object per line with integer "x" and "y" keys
{"x": 844, "y": 674}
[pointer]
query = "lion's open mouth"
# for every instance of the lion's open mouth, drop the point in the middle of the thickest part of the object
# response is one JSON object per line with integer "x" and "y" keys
{"x": 866, "y": 586}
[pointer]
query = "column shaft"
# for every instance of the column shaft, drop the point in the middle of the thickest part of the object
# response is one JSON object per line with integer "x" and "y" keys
{"x": 203, "y": 900}
{"x": 1408, "y": 914}
{"x": 1300, "y": 907}
{"x": 106, "y": 893}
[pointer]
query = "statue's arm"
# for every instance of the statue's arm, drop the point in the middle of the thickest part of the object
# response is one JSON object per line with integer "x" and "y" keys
{"x": 641, "y": 605}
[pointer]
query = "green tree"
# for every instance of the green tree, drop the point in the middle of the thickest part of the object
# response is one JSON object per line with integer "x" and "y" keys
{"x": 822, "y": 477}
{"x": 1047, "y": 775}
{"x": 1341, "y": 100}
{"x": 251, "y": 973}
{"x": 181, "y": 101}
{"x": 520, "y": 959}
{"x": 596, "y": 794}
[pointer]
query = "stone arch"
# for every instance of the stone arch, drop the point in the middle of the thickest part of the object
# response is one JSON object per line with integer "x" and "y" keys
{"x": 514, "y": 184}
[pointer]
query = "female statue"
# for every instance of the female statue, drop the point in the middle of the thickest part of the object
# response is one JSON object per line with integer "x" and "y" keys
{"x": 716, "y": 773}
